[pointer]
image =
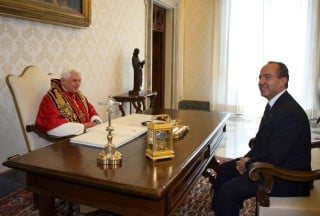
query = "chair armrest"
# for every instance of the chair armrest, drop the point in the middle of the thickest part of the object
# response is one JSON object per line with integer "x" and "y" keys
{"x": 50, "y": 138}
{"x": 266, "y": 171}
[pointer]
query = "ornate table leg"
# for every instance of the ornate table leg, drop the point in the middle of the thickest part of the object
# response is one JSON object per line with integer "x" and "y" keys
{"x": 121, "y": 109}
{"x": 137, "y": 105}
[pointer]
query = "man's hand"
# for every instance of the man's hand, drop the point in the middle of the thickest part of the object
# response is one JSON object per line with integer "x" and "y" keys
{"x": 241, "y": 165}
{"x": 89, "y": 125}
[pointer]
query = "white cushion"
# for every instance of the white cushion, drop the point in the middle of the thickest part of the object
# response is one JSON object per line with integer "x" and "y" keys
{"x": 294, "y": 206}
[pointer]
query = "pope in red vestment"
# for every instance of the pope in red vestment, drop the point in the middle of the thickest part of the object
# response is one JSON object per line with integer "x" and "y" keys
{"x": 64, "y": 110}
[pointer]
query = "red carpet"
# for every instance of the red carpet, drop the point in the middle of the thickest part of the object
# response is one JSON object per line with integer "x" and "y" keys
{"x": 20, "y": 203}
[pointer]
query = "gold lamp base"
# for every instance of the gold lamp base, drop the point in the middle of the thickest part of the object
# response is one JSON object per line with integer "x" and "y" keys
{"x": 109, "y": 155}
{"x": 107, "y": 158}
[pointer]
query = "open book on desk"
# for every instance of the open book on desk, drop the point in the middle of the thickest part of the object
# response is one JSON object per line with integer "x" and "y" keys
{"x": 125, "y": 129}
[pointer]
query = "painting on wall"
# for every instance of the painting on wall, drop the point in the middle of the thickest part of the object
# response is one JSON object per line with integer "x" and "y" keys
{"x": 72, "y": 13}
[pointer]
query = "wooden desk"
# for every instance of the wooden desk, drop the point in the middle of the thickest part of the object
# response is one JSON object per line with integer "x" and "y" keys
{"x": 139, "y": 187}
{"x": 136, "y": 100}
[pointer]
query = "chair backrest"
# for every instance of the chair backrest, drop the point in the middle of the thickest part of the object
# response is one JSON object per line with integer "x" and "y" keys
{"x": 27, "y": 91}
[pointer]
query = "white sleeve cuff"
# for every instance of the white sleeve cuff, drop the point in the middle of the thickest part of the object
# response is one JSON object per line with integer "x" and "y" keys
{"x": 67, "y": 129}
{"x": 95, "y": 117}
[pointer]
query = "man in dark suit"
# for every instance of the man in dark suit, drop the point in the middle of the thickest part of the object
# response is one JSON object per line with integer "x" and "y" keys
{"x": 283, "y": 139}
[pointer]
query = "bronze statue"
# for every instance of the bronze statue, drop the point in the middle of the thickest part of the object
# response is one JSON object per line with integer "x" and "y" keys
{"x": 137, "y": 69}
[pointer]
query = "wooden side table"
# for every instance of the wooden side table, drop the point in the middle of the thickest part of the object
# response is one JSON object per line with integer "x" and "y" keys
{"x": 138, "y": 101}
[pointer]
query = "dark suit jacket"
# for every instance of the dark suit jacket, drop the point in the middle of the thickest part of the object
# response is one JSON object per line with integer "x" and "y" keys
{"x": 284, "y": 140}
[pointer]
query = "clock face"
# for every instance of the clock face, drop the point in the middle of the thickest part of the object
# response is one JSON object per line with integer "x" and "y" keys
{"x": 162, "y": 135}
{"x": 162, "y": 139}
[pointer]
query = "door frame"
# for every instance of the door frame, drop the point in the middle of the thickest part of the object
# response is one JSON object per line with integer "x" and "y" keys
{"x": 173, "y": 53}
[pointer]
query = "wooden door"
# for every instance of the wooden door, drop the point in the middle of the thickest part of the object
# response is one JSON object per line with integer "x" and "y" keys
{"x": 158, "y": 55}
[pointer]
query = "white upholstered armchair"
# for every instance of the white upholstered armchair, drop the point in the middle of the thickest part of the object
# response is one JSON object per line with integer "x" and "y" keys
{"x": 27, "y": 91}
{"x": 283, "y": 206}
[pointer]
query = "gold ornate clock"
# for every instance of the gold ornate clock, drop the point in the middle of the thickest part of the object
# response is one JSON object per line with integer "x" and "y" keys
{"x": 160, "y": 138}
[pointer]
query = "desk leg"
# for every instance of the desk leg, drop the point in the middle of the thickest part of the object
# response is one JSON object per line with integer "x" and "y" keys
{"x": 46, "y": 205}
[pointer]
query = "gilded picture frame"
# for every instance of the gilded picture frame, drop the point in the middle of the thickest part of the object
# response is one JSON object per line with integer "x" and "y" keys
{"x": 71, "y": 13}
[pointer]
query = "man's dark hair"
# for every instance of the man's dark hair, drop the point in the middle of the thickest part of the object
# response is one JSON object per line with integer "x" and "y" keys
{"x": 283, "y": 70}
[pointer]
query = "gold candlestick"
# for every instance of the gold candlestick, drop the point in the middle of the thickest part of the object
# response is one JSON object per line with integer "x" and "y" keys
{"x": 109, "y": 155}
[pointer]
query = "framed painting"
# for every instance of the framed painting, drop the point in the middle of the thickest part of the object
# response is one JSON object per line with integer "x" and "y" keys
{"x": 72, "y": 13}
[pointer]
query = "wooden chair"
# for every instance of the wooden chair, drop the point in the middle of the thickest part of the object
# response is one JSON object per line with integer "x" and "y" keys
{"x": 27, "y": 91}
{"x": 283, "y": 206}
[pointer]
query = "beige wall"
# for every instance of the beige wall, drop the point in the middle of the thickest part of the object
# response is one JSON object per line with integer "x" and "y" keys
{"x": 197, "y": 68}
{"x": 102, "y": 53}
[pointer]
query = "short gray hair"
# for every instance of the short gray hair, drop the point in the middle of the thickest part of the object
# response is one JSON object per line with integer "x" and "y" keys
{"x": 66, "y": 72}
